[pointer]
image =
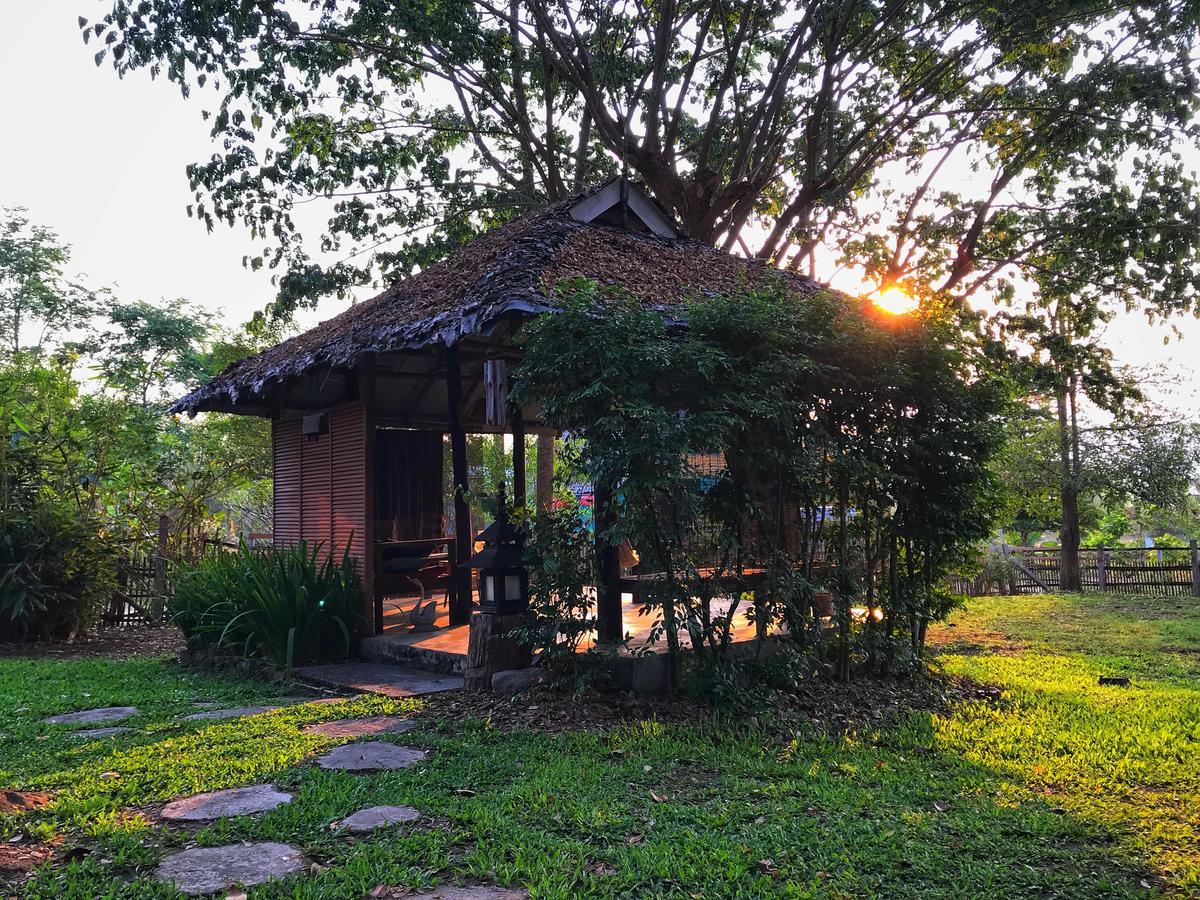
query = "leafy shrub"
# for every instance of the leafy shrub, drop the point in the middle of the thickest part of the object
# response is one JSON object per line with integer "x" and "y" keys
{"x": 558, "y": 554}
{"x": 292, "y": 606}
{"x": 56, "y": 573}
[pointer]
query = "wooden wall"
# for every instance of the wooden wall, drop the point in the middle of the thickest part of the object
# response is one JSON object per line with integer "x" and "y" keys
{"x": 321, "y": 485}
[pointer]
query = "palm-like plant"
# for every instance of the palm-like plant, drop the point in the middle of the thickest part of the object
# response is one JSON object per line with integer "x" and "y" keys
{"x": 290, "y": 605}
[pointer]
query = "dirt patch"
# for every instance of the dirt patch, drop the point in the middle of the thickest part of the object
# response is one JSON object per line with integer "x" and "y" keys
{"x": 110, "y": 643}
{"x": 866, "y": 702}
{"x": 22, "y": 801}
{"x": 20, "y": 858}
{"x": 971, "y": 641}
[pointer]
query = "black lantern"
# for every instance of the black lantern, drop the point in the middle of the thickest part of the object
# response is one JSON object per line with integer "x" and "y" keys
{"x": 503, "y": 581}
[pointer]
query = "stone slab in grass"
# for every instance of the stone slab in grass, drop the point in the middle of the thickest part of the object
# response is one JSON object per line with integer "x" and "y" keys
{"x": 370, "y": 756}
{"x": 379, "y": 817}
{"x": 206, "y": 870}
{"x": 243, "y": 801}
{"x": 93, "y": 716}
{"x": 354, "y": 728}
{"x": 94, "y": 733}
{"x": 235, "y": 713}
{"x": 475, "y": 892}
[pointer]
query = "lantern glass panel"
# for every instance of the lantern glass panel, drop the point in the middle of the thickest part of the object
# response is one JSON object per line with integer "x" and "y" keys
{"x": 489, "y": 589}
{"x": 512, "y": 587}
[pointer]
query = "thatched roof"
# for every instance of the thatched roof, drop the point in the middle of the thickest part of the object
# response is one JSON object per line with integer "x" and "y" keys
{"x": 510, "y": 271}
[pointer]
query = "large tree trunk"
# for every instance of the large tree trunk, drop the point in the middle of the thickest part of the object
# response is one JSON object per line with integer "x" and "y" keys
{"x": 1068, "y": 577}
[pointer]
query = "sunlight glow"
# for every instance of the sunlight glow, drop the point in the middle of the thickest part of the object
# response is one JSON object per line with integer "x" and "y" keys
{"x": 892, "y": 299}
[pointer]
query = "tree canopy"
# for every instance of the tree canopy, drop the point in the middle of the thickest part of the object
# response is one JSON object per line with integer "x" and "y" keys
{"x": 772, "y": 128}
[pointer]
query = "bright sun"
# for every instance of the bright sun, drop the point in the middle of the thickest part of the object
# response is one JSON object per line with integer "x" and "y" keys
{"x": 893, "y": 300}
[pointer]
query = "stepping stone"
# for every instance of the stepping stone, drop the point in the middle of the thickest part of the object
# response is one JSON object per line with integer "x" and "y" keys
{"x": 90, "y": 733}
{"x": 379, "y": 817}
{"x": 371, "y": 756}
{"x": 206, "y": 870}
{"x": 354, "y": 728}
{"x": 229, "y": 713}
{"x": 478, "y": 892}
{"x": 243, "y": 801}
{"x": 378, "y": 678}
{"x": 93, "y": 716}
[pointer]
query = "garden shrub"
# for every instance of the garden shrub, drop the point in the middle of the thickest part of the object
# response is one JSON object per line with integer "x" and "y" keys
{"x": 853, "y": 450}
{"x": 291, "y": 605}
{"x": 57, "y": 572}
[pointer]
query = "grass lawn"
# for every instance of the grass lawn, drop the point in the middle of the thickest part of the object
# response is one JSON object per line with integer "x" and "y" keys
{"x": 1060, "y": 788}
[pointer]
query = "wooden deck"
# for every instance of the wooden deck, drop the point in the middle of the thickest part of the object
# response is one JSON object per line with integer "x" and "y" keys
{"x": 445, "y": 650}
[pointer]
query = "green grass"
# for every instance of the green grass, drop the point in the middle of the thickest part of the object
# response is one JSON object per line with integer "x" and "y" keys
{"x": 1127, "y": 758}
{"x": 1060, "y": 789}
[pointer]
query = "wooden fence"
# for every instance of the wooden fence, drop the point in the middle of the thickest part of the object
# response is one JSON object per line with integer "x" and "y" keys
{"x": 1151, "y": 571}
{"x": 144, "y": 585}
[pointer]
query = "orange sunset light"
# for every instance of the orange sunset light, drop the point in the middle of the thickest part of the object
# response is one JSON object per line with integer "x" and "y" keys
{"x": 894, "y": 300}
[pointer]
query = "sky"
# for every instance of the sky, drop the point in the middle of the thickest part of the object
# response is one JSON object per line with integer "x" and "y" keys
{"x": 101, "y": 160}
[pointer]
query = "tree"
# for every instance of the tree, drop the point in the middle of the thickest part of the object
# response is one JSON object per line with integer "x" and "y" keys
{"x": 149, "y": 350}
{"x": 423, "y": 123}
{"x": 37, "y": 302}
{"x": 1112, "y": 245}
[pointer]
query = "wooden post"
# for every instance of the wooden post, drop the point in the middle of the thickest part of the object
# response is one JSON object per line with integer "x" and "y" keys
{"x": 1102, "y": 569}
{"x": 490, "y": 649}
{"x": 518, "y": 455}
{"x": 609, "y": 626}
{"x": 545, "y": 468}
{"x": 1195, "y": 568}
{"x": 460, "y": 578}
{"x": 366, "y": 392}
{"x": 160, "y": 566}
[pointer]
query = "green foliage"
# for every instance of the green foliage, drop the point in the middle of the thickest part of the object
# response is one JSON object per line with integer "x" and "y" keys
{"x": 560, "y": 560}
{"x": 37, "y": 301}
{"x": 866, "y": 436}
{"x": 57, "y": 573}
{"x": 292, "y": 605}
{"x": 1110, "y": 531}
{"x": 150, "y": 350}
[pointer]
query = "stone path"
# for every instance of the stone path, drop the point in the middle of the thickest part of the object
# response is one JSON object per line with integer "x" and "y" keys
{"x": 354, "y": 728}
{"x": 370, "y": 756}
{"x": 91, "y": 733}
{"x": 243, "y": 801}
{"x": 206, "y": 870}
{"x": 391, "y": 681}
{"x": 93, "y": 716}
{"x": 379, "y": 817}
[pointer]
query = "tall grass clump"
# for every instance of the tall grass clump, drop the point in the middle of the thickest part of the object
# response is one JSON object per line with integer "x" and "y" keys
{"x": 291, "y": 605}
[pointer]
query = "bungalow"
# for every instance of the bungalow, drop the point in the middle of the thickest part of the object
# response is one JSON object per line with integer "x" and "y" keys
{"x": 360, "y": 405}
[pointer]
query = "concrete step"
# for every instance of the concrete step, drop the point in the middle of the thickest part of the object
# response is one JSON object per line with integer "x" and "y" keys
{"x": 377, "y": 678}
{"x": 397, "y": 651}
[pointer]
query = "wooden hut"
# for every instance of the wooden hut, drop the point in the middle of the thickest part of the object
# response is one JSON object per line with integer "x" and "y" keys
{"x": 361, "y": 403}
